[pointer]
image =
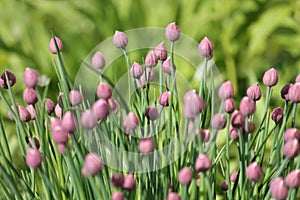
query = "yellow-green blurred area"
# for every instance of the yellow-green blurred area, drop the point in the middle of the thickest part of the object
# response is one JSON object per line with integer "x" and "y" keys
{"x": 249, "y": 36}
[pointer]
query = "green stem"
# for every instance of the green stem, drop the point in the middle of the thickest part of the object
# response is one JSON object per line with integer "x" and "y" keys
{"x": 227, "y": 173}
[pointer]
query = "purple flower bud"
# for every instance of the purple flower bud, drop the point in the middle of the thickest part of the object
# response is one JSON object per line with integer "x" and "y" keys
{"x": 117, "y": 180}
{"x": 75, "y": 97}
{"x": 101, "y": 109}
{"x": 205, "y": 133}
{"x": 50, "y": 106}
{"x": 129, "y": 182}
{"x": 146, "y": 145}
{"x": 294, "y": 93}
{"x": 130, "y": 122}
{"x": 151, "y": 59}
{"x": 11, "y": 79}
{"x": 103, "y": 91}
{"x": 270, "y": 77}
{"x": 31, "y": 110}
{"x": 160, "y": 51}
{"x": 234, "y": 134}
{"x": 167, "y": 68}
{"x": 173, "y": 196}
{"x": 233, "y": 176}
{"x": 293, "y": 179}
{"x": 59, "y": 135}
{"x": 98, "y": 60}
{"x": 136, "y": 70}
{"x": 285, "y": 91}
{"x": 34, "y": 158}
{"x": 164, "y": 98}
{"x": 254, "y": 92}
{"x": 92, "y": 164}
{"x": 69, "y": 122}
{"x": 24, "y": 114}
{"x": 247, "y": 106}
{"x": 58, "y": 111}
{"x": 54, "y": 122}
{"x": 253, "y": 172}
{"x": 117, "y": 196}
{"x": 33, "y": 143}
{"x": 89, "y": 119}
{"x": 151, "y": 113}
{"x": 30, "y": 78}
{"x": 185, "y": 176}
{"x": 202, "y": 163}
{"x": 52, "y": 46}
{"x": 277, "y": 114}
{"x": 224, "y": 186}
{"x": 120, "y": 40}
{"x": 228, "y": 105}
{"x": 237, "y": 119}
{"x": 206, "y": 48}
{"x": 291, "y": 148}
{"x": 193, "y": 104}
{"x": 113, "y": 104}
{"x": 291, "y": 133}
{"x": 218, "y": 121}
{"x": 278, "y": 189}
{"x": 172, "y": 32}
{"x": 226, "y": 90}
{"x": 29, "y": 96}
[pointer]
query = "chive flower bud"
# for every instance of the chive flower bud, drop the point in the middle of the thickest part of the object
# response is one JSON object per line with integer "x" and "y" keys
{"x": 270, "y": 77}
{"x": 30, "y": 78}
{"x": 172, "y": 32}
{"x": 206, "y": 48}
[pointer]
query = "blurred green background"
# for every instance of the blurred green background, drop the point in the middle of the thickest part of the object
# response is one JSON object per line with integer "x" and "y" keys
{"x": 249, "y": 36}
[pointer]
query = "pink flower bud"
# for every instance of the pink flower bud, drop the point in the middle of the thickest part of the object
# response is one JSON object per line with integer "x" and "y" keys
{"x": 173, "y": 196}
{"x": 167, "y": 68}
{"x": 30, "y": 78}
{"x": 218, "y": 121}
{"x": 277, "y": 114}
{"x": 160, "y": 51}
{"x": 164, "y": 98}
{"x": 293, "y": 179}
{"x": 33, "y": 143}
{"x": 224, "y": 186}
{"x": 247, "y": 106}
{"x": 291, "y": 133}
{"x": 185, "y": 176}
{"x": 233, "y": 176}
{"x": 89, "y": 119}
{"x": 92, "y": 164}
{"x": 103, "y": 91}
{"x": 130, "y": 122}
{"x": 117, "y": 196}
{"x": 202, "y": 163}
{"x": 253, "y": 172}
{"x": 172, "y": 32}
{"x": 54, "y": 122}
{"x": 270, "y": 77}
{"x": 228, "y": 105}
{"x": 59, "y": 135}
{"x": 291, "y": 148}
{"x": 117, "y": 180}
{"x": 254, "y": 92}
{"x": 237, "y": 119}
{"x": 146, "y": 145}
{"x": 75, "y": 97}
{"x": 234, "y": 134}
{"x": 151, "y": 59}
{"x": 29, "y": 96}
{"x": 31, "y": 110}
{"x": 136, "y": 70}
{"x": 11, "y": 79}
{"x": 58, "y": 111}
{"x": 52, "y": 46}
{"x": 113, "y": 104}
{"x": 120, "y": 40}
{"x": 294, "y": 93}
{"x": 285, "y": 91}
{"x": 278, "y": 189}
{"x": 129, "y": 182}
{"x": 69, "y": 122}
{"x": 151, "y": 113}
{"x": 50, "y": 106}
{"x": 24, "y": 114}
{"x": 34, "y": 158}
{"x": 98, "y": 60}
{"x": 61, "y": 147}
{"x": 226, "y": 90}
{"x": 205, "y": 133}
{"x": 193, "y": 105}
{"x": 101, "y": 109}
{"x": 206, "y": 48}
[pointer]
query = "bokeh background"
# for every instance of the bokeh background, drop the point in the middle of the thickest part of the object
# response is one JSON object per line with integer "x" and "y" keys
{"x": 249, "y": 36}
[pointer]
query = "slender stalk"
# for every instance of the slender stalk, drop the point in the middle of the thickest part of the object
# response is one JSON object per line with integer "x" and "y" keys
{"x": 227, "y": 157}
